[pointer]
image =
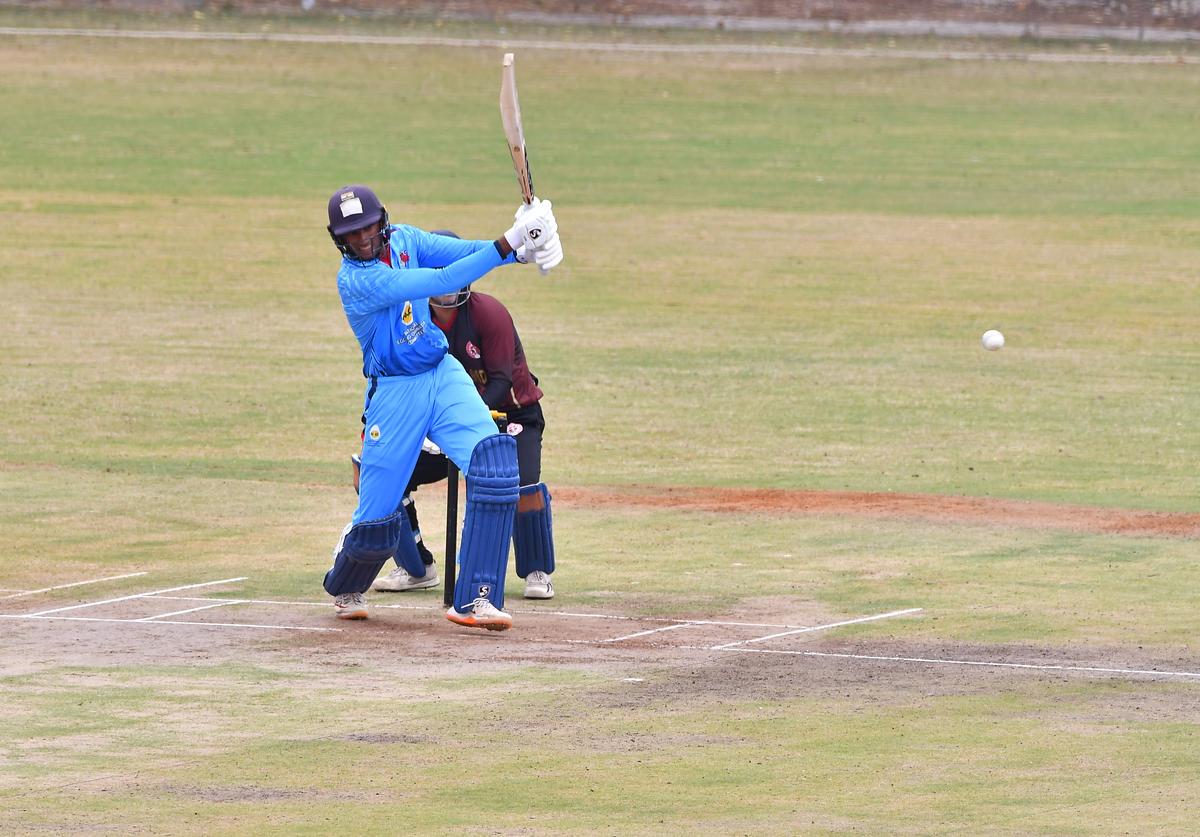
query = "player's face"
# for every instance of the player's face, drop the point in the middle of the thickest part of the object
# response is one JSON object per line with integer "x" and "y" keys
{"x": 363, "y": 241}
{"x": 443, "y": 300}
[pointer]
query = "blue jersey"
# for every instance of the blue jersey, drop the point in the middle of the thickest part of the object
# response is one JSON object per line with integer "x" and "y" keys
{"x": 387, "y": 300}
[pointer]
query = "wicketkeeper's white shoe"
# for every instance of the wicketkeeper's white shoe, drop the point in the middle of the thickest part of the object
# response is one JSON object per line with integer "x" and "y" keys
{"x": 399, "y": 580}
{"x": 538, "y": 586}
{"x": 481, "y": 614}
{"x": 350, "y": 606}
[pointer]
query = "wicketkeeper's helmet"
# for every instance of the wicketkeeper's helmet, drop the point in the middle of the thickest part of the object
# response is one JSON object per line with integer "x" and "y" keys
{"x": 463, "y": 295}
{"x": 352, "y": 208}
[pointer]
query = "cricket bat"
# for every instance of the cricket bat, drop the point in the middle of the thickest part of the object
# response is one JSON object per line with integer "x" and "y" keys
{"x": 510, "y": 115}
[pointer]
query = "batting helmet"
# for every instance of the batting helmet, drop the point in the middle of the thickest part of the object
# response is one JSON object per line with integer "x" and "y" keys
{"x": 352, "y": 208}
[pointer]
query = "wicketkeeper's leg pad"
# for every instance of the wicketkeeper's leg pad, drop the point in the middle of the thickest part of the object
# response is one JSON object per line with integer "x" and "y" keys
{"x": 362, "y": 552}
{"x": 533, "y": 531}
{"x": 407, "y": 554}
{"x": 493, "y": 484}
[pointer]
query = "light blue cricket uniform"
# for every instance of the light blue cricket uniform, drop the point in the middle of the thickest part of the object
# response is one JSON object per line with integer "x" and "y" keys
{"x": 416, "y": 389}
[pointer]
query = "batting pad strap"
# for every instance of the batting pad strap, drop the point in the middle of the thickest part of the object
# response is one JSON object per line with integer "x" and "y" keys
{"x": 533, "y": 532}
{"x": 362, "y": 552}
{"x": 492, "y": 487}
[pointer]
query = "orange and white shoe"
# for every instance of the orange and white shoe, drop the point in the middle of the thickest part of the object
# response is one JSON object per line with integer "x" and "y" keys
{"x": 481, "y": 614}
{"x": 350, "y": 606}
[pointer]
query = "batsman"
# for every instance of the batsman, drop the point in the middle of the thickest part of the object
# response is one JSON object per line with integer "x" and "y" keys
{"x": 417, "y": 390}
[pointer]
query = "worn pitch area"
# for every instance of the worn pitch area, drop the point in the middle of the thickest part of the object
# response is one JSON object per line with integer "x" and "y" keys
{"x": 795, "y": 640}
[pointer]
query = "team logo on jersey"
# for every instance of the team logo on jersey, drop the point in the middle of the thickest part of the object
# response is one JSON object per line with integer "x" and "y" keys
{"x": 404, "y": 257}
{"x": 374, "y": 433}
{"x": 472, "y": 350}
{"x": 406, "y": 317}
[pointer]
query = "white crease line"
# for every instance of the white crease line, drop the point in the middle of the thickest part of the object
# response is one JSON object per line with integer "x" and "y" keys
{"x": 181, "y": 612}
{"x": 622, "y": 618}
{"x": 818, "y": 628}
{"x": 138, "y": 596}
{"x": 326, "y": 603}
{"x": 35, "y": 617}
{"x": 937, "y": 661}
{"x": 533, "y": 612}
{"x": 73, "y": 584}
{"x": 646, "y": 633}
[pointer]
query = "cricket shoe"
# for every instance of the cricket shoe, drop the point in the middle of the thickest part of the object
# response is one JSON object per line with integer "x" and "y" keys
{"x": 350, "y": 606}
{"x": 481, "y": 614}
{"x": 538, "y": 586}
{"x": 399, "y": 580}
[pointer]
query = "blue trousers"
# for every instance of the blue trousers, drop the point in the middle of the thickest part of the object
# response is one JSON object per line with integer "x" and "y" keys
{"x": 401, "y": 412}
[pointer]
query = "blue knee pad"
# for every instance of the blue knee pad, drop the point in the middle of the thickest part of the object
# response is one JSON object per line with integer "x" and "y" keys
{"x": 533, "y": 533}
{"x": 493, "y": 482}
{"x": 362, "y": 552}
{"x": 407, "y": 554}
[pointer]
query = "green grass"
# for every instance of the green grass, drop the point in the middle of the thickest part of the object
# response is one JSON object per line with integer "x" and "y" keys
{"x": 972, "y": 762}
{"x": 777, "y": 272}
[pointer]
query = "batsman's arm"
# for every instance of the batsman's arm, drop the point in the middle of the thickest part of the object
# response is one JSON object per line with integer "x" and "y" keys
{"x": 441, "y": 250}
{"x": 368, "y": 288}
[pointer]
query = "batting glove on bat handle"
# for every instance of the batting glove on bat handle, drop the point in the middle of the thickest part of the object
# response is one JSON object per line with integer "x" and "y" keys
{"x": 532, "y": 224}
{"x": 527, "y": 207}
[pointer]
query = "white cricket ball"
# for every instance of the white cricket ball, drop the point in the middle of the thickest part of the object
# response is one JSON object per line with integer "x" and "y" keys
{"x": 992, "y": 340}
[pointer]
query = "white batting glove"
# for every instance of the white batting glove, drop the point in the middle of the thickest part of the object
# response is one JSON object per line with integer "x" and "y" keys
{"x": 531, "y": 224}
{"x": 523, "y": 255}
{"x": 430, "y": 447}
{"x": 549, "y": 254}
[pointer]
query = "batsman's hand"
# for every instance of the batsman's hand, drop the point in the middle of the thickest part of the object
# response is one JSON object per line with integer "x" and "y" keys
{"x": 532, "y": 223}
{"x": 549, "y": 254}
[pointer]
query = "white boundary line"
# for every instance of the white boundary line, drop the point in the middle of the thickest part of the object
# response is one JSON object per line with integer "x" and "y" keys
{"x": 764, "y": 50}
{"x": 137, "y": 596}
{"x": 952, "y": 662}
{"x": 73, "y": 584}
{"x": 818, "y": 628}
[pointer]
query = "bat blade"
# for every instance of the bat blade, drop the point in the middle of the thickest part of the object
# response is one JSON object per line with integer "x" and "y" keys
{"x": 510, "y": 115}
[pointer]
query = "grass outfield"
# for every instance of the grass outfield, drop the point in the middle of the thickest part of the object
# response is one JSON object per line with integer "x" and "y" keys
{"x": 777, "y": 273}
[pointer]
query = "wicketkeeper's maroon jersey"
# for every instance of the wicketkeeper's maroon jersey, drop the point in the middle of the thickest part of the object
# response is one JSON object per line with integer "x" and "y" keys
{"x": 483, "y": 338}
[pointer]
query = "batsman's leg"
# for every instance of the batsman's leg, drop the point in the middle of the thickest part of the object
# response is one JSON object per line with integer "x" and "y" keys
{"x": 492, "y": 489}
{"x": 533, "y": 541}
{"x": 362, "y": 550}
{"x": 390, "y": 448}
